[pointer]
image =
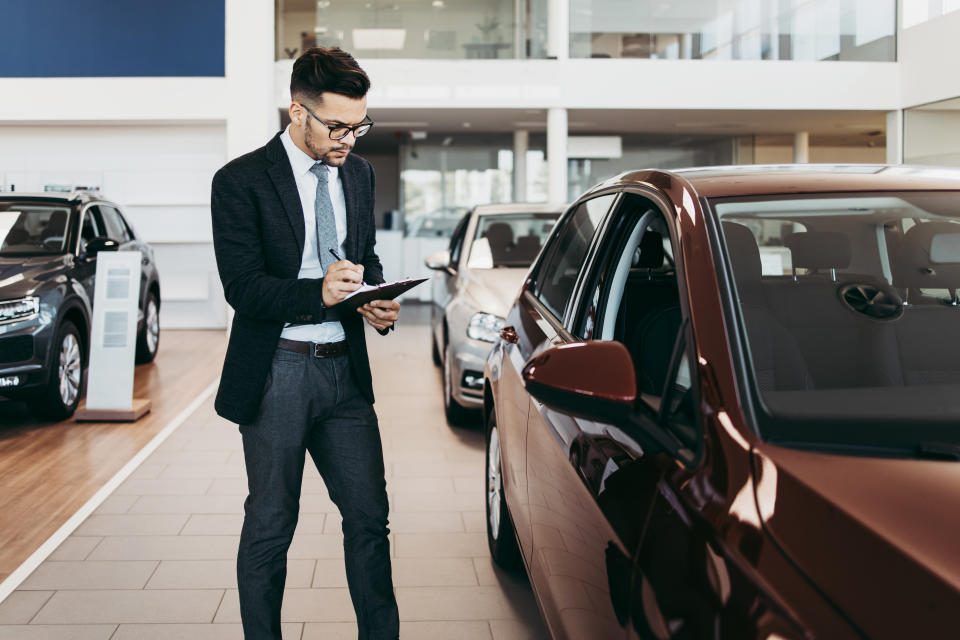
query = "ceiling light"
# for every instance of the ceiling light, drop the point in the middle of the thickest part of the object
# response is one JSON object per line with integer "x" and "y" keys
{"x": 467, "y": 125}
{"x": 323, "y": 4}
{"x": 438, "y": 4}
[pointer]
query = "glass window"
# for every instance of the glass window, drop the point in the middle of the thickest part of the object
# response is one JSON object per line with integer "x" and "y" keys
{"x": 92, "y": 227}
{"x": 116, "y": 229}
{"x": 426, "y": 29}
{"x": 566, "y": 254}
{"x": 860, "y": 345}
{"x": 456, "y": 242}
{"x": 736, "y": 30}
{"x": 509, "y": 240}
{"x": 32, "y": 229}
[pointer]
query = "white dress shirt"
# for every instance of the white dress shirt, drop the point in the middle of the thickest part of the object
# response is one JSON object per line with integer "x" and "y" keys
{"x": 310, "y": 266}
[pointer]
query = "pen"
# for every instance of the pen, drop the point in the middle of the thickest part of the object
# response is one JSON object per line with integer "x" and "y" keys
{"x": 335, "y": 255}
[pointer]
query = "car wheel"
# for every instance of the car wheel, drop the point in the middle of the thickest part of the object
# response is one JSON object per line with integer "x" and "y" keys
{"x": 148, "y": 340}
{"x": 500, "y": 534}
{"x": 436, "y": 350}
{"x": 59, "y": 399}
{"x": 455, "y": 413}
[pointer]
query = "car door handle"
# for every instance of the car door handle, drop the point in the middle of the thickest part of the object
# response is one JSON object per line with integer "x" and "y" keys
{"x": 509, "y": 334}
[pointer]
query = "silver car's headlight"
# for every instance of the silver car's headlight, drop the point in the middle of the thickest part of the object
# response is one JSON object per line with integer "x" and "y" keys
{"x": 20, "y": 309}
{"x": 485, "y": 326}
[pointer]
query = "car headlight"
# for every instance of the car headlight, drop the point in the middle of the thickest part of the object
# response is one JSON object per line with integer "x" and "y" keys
{"x": 485, "y": 326}
{"x": 20, "y": 309}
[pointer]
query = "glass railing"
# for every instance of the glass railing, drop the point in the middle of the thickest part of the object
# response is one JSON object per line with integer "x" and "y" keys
{"x": 444, "y": 29}
{"x": 735, "y": 29}
{"x": 810, "y": 30}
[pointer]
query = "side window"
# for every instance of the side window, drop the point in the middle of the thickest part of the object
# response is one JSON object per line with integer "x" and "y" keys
{"x": 91, "y": 227}
{"x": 116, "y": 229}
{"x": 561, "y": 265}
{"x": 456, "y": 240}
{"x": 634, "y": 298}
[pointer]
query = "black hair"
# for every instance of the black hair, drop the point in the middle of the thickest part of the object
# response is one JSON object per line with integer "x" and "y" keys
{"x": 320, "y": 69}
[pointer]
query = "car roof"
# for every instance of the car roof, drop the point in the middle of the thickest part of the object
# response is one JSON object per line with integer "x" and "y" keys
{"x": 743, "y": 180}
{"x": 54, "y": 196}
{"x": 518, "y": 207}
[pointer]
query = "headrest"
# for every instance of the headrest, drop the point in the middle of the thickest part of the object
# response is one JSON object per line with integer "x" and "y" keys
{"x": 649, "y": 254}
{"x": 929, "y": 257}
{"x": 819, "y": 249}
{"x": 743, "y": 251}
{"x": 499, "y": 234}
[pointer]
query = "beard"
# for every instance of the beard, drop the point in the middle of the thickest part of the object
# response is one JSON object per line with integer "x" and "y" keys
{"x": 329, "y": 155}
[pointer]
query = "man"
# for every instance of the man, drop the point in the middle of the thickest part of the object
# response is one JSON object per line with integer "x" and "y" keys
{"x": 296, "y": 376}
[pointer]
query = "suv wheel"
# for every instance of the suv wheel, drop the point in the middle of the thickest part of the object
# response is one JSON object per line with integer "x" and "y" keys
{"x": 500, "y": 533}
{"x": 148, "y": 340}
{"x": 59, "y": 399}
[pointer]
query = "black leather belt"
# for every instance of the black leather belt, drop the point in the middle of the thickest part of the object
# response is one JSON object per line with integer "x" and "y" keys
{"x": 315, "y": 349}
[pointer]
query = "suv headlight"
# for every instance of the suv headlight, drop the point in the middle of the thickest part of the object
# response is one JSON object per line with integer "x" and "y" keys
{"x": 20, "y": 309}
{"x": 485, "y": 326}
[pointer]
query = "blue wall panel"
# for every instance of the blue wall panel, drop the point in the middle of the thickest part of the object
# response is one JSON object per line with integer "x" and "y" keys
{"x": 102, "y": 38}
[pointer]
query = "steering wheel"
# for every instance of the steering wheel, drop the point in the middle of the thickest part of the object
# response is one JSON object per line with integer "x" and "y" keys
{"x": 874, "y": 300}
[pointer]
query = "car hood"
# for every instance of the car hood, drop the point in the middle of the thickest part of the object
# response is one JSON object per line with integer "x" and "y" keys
{"x": 21, "y": 276}
{"x": 879, "y": 536}
{"x": 493, "y": 290}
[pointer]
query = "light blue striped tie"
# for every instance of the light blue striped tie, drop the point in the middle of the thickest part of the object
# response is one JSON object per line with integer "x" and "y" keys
{"x": 326, "y": 223}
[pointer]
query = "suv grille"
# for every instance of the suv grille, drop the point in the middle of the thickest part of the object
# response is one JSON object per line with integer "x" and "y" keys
{"x": 16, "y": 349}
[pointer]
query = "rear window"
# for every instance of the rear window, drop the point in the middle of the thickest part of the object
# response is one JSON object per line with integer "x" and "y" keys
{"x": 850, "y": 315}
{"x": 33, "y": 228}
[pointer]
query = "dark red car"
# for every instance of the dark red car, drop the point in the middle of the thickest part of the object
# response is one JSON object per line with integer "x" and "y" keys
{"x": 727, "y": 405}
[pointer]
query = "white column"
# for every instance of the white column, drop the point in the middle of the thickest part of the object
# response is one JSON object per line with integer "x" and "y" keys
{"x": 252, "y": 116}
{"x": 251, "y": 113}
{"x": 521, "y": 142}
{"x": 557, "y": 153}
{"x": 895, "y": 137}
{"x": 801, "y": 147}
{"x": 558, "y": 29}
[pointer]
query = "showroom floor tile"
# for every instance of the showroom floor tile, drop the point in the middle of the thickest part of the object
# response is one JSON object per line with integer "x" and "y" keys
{"x": 156, "y": 561}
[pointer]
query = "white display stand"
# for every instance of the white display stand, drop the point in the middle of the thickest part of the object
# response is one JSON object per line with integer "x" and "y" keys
{"x": 113, "y": 341}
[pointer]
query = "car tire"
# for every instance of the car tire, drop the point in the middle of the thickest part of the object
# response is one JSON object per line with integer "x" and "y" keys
{"x": 437, "y": 362}
{"x": 148, "y": 339}
{"x": 501, "y": 537}
{"x": 455, "y": 414}
{"x": 59, "y": 398}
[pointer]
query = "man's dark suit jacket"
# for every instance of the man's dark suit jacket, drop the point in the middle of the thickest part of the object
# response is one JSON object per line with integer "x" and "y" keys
{"x": 258, "y": 234}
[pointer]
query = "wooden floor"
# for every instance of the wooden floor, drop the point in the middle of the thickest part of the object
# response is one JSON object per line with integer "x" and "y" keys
{"x": 49, "y": 470}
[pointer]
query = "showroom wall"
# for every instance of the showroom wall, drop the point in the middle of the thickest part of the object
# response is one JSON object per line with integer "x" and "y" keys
{"x": 159, "y": 175}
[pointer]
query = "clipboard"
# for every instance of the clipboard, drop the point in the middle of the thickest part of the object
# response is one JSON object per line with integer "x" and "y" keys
{"x": 367, "y": 293}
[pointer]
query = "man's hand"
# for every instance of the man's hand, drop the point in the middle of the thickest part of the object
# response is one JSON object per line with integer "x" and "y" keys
{"x": 380, "y": 314}
{"x": 342, "y": 277}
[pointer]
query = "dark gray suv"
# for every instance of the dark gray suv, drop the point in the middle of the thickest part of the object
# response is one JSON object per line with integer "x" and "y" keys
{"x": 48, "y": 260}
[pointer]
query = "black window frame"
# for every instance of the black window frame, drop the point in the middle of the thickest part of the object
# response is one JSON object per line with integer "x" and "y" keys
{"x": 106, "y": 212}
{"x": 455, "y": 248}
{"x": 551, "y": 248}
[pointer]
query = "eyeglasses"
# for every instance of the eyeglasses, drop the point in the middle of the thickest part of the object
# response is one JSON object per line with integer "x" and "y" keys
{"x": 341, "y": 131}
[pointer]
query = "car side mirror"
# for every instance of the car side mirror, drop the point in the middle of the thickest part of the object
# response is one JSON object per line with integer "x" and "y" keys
{"x": 593, "y": 380}
{"x": 438, "y": 261}
{"x": 96, "y": 245}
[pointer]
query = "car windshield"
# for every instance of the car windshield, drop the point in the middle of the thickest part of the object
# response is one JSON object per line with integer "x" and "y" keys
{"x": 850, "y": 309}
{"x": 509, "y": 240}
{"x": 32, "y": 229}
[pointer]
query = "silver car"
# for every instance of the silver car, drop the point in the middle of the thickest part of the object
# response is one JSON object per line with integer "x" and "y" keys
{"x": 476, "y": 281}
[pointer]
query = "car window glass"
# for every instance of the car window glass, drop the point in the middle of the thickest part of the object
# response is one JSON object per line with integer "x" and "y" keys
{"x": 509, "y": 239}
{"x": 28, "y": 229}
{"x": 91, "y": 227}
{"x": 558, "y": 273}
{"x": 456, "y": 241}
{"x": 116, "y": 230}
{"x": 634, "y": 298}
